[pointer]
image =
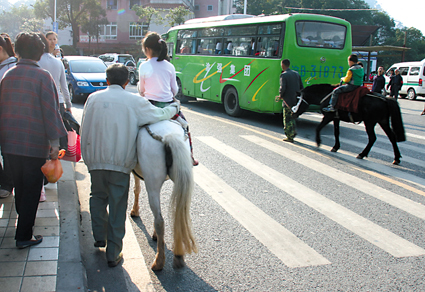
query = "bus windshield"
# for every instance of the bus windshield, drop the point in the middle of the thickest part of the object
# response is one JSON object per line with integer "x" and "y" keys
{"x": 320, "y": 34}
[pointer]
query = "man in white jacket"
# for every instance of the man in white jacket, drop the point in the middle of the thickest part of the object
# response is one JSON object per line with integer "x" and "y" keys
{"x": 111, "y": 121}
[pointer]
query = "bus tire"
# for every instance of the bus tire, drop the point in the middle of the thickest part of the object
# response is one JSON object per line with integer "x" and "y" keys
{"x": 411, "y": 94}
{"x": 180, "y": 96}
{"x": 231, "y": 102}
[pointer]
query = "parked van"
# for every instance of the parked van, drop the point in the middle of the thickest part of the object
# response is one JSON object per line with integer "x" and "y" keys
{"x": 413, "y": 74}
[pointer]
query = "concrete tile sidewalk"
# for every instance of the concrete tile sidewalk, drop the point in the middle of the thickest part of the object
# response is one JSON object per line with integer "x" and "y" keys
{"x": 55, "y": 264}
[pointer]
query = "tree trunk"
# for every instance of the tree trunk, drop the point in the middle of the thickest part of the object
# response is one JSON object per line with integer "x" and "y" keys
{"x": 75, "y": 34}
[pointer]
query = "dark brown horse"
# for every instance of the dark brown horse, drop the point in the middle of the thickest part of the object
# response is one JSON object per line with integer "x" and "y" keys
{"x": 373, "y": 109}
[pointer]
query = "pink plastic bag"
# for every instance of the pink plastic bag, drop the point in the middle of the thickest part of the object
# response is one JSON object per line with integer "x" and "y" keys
{"x": 73, "y": 153}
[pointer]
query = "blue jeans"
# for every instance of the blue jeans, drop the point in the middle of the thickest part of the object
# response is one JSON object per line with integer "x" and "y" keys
{"x": 341, "y": 89}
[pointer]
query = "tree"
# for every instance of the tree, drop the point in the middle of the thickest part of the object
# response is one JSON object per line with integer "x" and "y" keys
{"x": 69, "y": 12}
{"x": 91, "y": 24}
{"x": 148, "y": 14}
{"x": 177, "y": 15}
{"x": 13, "y": 20}
{"x": 32, "y": 25}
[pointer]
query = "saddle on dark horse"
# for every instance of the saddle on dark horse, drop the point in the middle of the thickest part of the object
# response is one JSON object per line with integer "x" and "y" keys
{"x": 349, "y": 101}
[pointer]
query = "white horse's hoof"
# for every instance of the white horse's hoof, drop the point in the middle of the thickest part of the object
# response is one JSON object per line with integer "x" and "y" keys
{"x": 178, "y": 262}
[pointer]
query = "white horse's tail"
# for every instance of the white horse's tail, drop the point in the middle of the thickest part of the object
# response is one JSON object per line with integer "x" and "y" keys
{"x": 182, "y": 175}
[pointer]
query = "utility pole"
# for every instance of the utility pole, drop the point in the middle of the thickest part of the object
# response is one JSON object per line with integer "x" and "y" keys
{"x": 244, "y": 6}
{"x": 55, "y": 24}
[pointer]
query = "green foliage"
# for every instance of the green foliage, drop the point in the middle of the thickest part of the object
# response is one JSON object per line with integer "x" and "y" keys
{"x": 69, "y": 50}
{"x": 90, "y": 24}
{"x": 177, "y": 15}
{"x": 148, "y": 14}
{"x": 19, "y": 18}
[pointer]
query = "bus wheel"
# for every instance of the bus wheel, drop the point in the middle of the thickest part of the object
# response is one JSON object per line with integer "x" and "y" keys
{"x": 411, "y": 94}
{"x": 180, "y": 96}
{"x": 231, "y": 102}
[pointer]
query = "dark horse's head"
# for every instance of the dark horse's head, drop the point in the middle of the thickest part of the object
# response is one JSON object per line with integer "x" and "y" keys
{"x": 314, "y": 94}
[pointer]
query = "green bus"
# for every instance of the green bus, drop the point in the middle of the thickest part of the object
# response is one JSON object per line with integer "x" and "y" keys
{"x": 237, "y": 61}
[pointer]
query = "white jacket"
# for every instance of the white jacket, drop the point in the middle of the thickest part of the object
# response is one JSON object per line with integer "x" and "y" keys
{"x": 110, "y": 125}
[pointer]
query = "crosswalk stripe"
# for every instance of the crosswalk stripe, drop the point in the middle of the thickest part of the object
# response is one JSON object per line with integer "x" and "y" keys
{"x": 366, "y": 187}
{"x": 379, "y": 150}
{"x": 292, "y": 251}
{"x": 342, "y": 154}
{"x": 375, "y": 234}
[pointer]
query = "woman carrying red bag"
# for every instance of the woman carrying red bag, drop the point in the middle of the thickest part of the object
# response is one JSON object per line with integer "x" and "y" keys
{"x": 30, "y": 129}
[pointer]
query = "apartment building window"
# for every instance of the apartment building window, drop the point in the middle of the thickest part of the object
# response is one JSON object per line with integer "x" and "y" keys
{"x": 210, "y": 8}
{"x": 112, "y": 4}
{"x": 109, "y": 31}
{"x": 134, "y": 2}
{"x": 196, "y": 7}
{"x": 137, "y": 30}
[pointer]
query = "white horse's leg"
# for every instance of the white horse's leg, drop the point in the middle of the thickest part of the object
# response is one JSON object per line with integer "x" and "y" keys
{"x": 158, "y": 235}
{"x": 135, "y": 211}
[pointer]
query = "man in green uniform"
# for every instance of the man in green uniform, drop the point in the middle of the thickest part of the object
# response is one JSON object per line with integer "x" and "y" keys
{"x": 290, "y": 84}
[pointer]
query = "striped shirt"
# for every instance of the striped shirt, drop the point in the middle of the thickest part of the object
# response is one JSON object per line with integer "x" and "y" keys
{"x": 29, "y": 111}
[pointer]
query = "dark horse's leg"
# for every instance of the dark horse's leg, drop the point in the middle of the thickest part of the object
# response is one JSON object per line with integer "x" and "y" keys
{"x": 370, "y": 130}
{"x": 390, "y": 134}
{"x": 327, "y": 117}
{"x": 336, "y": 134}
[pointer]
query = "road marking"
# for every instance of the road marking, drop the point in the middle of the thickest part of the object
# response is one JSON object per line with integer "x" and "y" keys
{"x": 368, "y": 188}
{"x": 341, "y": 155}
{"x": 375, "y": 234}
{"x": 379, "y": 150}
{"x": 292, "y": 251}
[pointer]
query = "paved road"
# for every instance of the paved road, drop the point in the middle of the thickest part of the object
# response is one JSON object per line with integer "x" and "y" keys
{"x": 271, "y": 216}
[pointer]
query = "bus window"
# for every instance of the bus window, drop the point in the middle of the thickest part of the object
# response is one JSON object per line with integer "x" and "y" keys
{"x": 211, "y": 32}
{"x": 210, "y": 46}
{"x": 267, "y": 46}
{"x": 238, "y": 46}
{"x": 185, "y": 42}
{"x": 320, "y": 34}
{"x": 241, "y": 30}
{"x": 270, "y": 29}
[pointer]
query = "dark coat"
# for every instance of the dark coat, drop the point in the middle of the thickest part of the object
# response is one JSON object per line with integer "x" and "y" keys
{"x": 290, "y": 84}
{"x": 378, "y": 84}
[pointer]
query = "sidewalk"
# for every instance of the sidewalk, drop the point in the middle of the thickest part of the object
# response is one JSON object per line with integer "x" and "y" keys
{"x": 55, "y": 264}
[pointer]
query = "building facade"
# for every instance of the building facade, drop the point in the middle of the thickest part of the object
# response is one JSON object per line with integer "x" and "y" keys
{"x": 125, "y": 30}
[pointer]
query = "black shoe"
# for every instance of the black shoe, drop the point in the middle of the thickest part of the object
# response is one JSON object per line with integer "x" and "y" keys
{"x": 115, "y": 263}
{"x": 290, "y": 140}
{"x": 26, "y": 243}
{"x": 100, "y": 243}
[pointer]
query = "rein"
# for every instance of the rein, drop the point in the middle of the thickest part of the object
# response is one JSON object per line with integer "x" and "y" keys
{"x": 325, "y": 98}
{"x": 153, "y": 135}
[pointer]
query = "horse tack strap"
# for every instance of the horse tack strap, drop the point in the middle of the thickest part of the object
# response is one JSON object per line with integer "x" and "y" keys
{"x": 153, "y": 135}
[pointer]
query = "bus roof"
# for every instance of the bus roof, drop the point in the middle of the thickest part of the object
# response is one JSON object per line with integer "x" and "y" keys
{"x": 258, "y": 19}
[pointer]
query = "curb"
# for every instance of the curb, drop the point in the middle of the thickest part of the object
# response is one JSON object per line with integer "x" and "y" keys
{"x": 71, "y": 274}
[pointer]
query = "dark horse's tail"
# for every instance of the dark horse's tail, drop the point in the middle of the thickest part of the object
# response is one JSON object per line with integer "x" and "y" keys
{"x": 396, "y": 120}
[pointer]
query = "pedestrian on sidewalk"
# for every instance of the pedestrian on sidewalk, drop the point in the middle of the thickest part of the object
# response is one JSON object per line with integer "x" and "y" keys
{"x": 379, "y": 81}
{"x": 29, "y": 130}
{"x": 290, "y": 84}
{"x": 7, "y": 61}
{"x": 111, "y": 121}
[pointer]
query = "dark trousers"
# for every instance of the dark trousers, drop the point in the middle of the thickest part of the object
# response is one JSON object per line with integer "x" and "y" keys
{"x": 109, "y": 188}
{"x": 6, "y": 181}
{"x": 28, "y": 180}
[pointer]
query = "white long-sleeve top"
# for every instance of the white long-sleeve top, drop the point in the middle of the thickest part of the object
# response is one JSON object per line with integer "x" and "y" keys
{"x": 157, "y": 80}
{"x": 111, "y": 121}
{"x": 56, "y": 69}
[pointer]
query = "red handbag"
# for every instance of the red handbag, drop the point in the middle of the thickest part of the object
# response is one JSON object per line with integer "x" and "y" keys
{"x": 73, "y": 153}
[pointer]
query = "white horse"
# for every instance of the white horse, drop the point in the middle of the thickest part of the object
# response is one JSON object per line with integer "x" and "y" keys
{"x": 156, "y": 142}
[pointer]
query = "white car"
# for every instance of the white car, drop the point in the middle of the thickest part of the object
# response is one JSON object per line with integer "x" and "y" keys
{"x": 112, "y": 58}
{"x": 413, "y": 74}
